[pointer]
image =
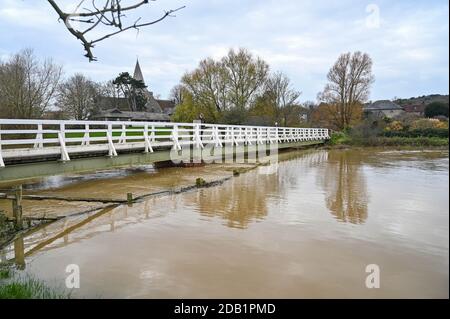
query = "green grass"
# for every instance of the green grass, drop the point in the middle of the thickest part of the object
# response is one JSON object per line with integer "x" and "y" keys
{"x": 27, "y": 287}
{"x": 5, "y": 273}
{"x": 103, "y": 134}
{"x": 339, "y": 138}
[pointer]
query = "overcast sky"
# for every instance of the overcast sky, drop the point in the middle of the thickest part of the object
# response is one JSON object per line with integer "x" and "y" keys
{"x": 407, "y": 40}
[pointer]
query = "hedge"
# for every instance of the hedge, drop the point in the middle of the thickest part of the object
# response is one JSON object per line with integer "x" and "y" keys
{"x": 428, "y": 132}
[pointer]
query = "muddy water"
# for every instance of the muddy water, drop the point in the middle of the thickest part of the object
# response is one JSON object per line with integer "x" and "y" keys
{"x": 307, "y": 227}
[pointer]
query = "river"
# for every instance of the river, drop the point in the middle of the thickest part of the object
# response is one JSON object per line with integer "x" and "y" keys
{"x": 306, "y": 227}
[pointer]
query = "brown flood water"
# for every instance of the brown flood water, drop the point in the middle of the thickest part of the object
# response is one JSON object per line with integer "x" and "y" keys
{"x": 307, "y": 227}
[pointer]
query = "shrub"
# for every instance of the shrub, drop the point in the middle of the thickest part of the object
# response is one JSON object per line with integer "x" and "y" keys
{"x": 427, "y": 124}
{"x": 436, "y": 108}
{"x": 339, "y": 138}
{"x": 404, "y": 141}
{"x": 395, "y": 126}
{"x": 200, "y": 182}
{"x": 6, "y": 228}
{"x": 428, "y": 132}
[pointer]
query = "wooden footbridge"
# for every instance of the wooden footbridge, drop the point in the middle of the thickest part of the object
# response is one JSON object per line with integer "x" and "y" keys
{"x": 33, "y": 148}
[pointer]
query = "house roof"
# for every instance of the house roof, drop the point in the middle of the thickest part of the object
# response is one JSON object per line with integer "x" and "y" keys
{"x": 167, "y": 106}
{"x": 382, "y": 105}
{"x": 108, "y": 102}
{"x": 414, "y": 108}
{"x": 134, "y": 116}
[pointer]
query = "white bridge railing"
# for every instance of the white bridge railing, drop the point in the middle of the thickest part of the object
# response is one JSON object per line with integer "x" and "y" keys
{"x": 37, "y": 138}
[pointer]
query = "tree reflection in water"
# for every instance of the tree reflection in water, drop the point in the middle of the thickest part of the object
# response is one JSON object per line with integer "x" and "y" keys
{"x": 240, "y": 201}
{"x": 245, "y": 199}
{"x": 345, "y": 186}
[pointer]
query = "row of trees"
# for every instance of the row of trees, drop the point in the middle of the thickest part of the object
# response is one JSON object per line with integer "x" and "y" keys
{"x": 240, "y": 89}
{"x": 30, "y": 87}
{"x": 236, "y": 89}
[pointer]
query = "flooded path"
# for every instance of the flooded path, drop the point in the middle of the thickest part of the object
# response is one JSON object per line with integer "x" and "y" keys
{"x": 307, "y": 227}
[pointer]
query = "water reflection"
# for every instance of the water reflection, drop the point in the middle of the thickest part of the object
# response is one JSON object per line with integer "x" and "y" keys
{"x": 345, "y": 188}
{"x": 239, "y": 201}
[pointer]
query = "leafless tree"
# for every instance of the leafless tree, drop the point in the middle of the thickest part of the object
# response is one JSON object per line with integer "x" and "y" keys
{"x": 177, "y": 94}
{"x": 89, "y": 15}
{"x": 27, "y": 85}
{"x": 348, "y": 87}
{"x": 77, "y": 97}
{"x": 284, "y": 97}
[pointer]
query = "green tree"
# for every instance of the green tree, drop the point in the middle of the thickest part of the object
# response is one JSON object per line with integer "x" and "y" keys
{"x": 436, "y": 108}
{"x": 221, "y": 87}
{"x": 132, "y": 89}
{"x": 189, "y": 111}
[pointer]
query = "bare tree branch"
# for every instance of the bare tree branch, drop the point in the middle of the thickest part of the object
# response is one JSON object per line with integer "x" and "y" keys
{"x": 110, "y": 14}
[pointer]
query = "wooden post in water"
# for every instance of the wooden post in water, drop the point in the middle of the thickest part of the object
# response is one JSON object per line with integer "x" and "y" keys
{"x": 19, "y": 253}
{"x": 17, "y": 207}
{"x": 130, "y": 199}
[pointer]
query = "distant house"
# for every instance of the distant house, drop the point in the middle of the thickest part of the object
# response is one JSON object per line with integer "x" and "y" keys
{"x": 117, "y": 109}
{"x": 416, "y": 109}
{"x": 382, "y": 108}
{"x": 119, "y": 115}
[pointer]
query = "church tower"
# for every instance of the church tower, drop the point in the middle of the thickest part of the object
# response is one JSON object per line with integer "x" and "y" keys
{"x": 138, "y": 72}
{"x": 152, "y": 105}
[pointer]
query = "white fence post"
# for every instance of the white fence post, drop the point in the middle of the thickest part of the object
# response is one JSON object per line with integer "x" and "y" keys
{"x": 197, "y": 135}
{"x": 62, "y": 143}
{"x": 153, "y": 135}
{"x": 39, "y": 138}
{"x": 123, "y": 135}
{"x": 2, "y": 163}
{"x": 86, "y": 137}
{"x": 217, "y": 140}
{"x": 148, "y": 145}
{"x": 109, "y": 134}
{"x": 176, "y": 143}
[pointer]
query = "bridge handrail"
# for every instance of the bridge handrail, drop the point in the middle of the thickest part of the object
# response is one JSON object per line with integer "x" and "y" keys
{"x": 15, "y": 133}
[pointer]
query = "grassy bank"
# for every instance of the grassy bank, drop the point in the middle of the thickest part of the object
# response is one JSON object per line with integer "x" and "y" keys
{"x": 14, "y": 286}
{"x": 342, "y": 139}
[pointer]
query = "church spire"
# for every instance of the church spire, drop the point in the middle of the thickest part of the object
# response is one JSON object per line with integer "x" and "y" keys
{"x": 138, "y": 73}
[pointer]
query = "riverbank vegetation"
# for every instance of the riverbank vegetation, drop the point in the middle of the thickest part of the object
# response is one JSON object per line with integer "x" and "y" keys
{"x": 401, "y": 132}
{"x": 16, "y": 286}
